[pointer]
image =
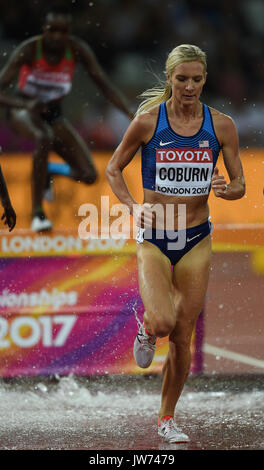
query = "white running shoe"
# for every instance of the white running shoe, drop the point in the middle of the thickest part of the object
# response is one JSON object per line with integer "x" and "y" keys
{"x": 144, "y": 348}
{"x": 168, "y": 429}
{"x": 40, "y": 223}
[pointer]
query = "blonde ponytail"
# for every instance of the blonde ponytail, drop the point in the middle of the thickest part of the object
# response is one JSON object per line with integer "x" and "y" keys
{"x": 153, "y": 97}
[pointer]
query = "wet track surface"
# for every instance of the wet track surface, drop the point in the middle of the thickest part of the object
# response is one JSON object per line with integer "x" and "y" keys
{"x": 120, "y": 413}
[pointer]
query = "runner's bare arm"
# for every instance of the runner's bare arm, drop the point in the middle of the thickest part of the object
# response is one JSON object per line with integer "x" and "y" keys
{"x": 134, "y": 137}
{"x": 21, "y": 55}
{"x": 228, "y": 138}
{"x": 87, "y": 57}
{"x": 9, "y": 215}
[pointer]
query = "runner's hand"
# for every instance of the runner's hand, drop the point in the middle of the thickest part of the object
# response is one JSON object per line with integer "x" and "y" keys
{"x": 143, "y": 215}
{"x": 219, "y": 184}
{"x": 9, "y": 217}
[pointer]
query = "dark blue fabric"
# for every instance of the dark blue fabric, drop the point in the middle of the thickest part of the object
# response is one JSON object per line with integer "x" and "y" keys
{"x": 161, "y": 238}
{"x": 165, "y": 133}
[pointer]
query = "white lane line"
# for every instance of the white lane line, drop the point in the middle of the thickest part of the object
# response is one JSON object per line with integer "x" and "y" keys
{"x": 207, "y": 348}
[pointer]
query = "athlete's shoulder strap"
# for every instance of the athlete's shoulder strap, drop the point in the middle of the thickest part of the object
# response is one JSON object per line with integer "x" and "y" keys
{"x": 38, "y": 48}
{"x": 208, "y": 121}
{"x": 162, "y": 117}
{"x": 68, "y": 53}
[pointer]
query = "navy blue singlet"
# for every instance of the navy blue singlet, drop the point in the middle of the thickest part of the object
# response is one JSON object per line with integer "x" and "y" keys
{"x": 175, "y": 165}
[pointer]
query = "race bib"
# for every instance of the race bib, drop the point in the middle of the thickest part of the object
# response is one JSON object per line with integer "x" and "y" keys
{"x": 183, "y": 172}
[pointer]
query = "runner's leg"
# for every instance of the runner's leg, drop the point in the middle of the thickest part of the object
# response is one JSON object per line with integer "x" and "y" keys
{"x": 33, "y": 128}
{"x": 72, "y": 148}
{"x": 156, "y": 289}
{"x": 190, "y": 279}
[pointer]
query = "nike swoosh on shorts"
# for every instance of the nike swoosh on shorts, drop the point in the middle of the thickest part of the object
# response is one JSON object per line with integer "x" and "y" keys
{"x": 190, "y": 239}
